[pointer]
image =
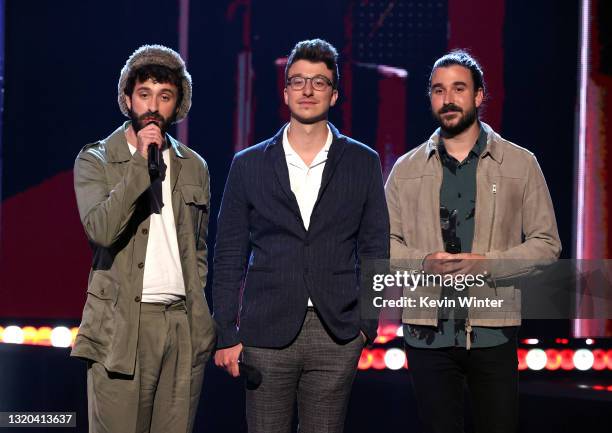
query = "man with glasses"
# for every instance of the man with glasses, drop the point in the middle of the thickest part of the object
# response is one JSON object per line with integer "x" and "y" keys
{"x": 300, "y": 212}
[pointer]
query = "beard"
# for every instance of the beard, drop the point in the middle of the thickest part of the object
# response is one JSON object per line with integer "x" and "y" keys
{"x": 140, "y": 121}
{"x": 466, "y": 119}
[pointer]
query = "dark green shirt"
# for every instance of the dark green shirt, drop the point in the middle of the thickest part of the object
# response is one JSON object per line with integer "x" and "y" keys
{"x": 458, "y": 192}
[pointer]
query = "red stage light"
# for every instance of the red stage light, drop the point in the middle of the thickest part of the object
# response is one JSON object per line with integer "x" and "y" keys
{"x": 522, "y": 354}
{"x": 382, "y": 339}
{"x": 553, "y": 359}
{"x": 567, "y": 359}
{"x": 365, "y": 360}
{"x": 378, "y": 359}
{"x": 600, "y": 358}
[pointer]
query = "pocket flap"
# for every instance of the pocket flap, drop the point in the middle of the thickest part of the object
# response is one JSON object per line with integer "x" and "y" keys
{"x": 102, "y": 287}
{"x": 194, "y": 194}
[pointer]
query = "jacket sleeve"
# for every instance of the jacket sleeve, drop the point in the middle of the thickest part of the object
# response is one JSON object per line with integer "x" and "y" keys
{"x": 541, "y": 245}
{"x": 104, "y": 214}
{"x": 400, "y": 253}
{"x": 201, "y": 246}
{"x": 372, "y": 244}
{"x": 231, "y": 249}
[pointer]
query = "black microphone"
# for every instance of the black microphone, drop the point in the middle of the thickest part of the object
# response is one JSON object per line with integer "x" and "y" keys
{"x": 153, "y": 159}
{"x": 153, "y": 152}
{"x": 251, "y": 374}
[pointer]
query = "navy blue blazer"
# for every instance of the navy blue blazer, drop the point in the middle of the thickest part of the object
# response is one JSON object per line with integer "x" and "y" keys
{"x": 263, "y": 248}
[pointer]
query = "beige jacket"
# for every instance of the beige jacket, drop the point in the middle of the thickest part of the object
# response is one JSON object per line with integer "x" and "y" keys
{"x": 514, "y": 223}
{"x": 109, "y": 183}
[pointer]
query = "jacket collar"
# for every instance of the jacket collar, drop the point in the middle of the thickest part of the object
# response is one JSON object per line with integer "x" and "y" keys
{"x": 277, "y": 139}
{"x": 274, "y": 148}
{"x": 117, "y": 149}
{"x": 492, "y": 149}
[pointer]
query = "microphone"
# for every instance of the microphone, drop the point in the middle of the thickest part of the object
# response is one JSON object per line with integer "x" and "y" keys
{"x": 251, "y": 374}
{"x": 153, "y": 159}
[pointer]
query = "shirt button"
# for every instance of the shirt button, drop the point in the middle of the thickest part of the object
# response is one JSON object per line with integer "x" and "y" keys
{"x": 145, "y": 231}
{"x": 141, "y": 265}
{"x": 137, "y": 299}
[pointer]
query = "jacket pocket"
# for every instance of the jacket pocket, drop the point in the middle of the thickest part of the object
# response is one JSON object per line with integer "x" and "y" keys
{"x": 194, "y": 195}
{"x": 103, "y": 287}
{"x": 260, "y": 269}
{"x": 344, "y": 271}
{"x": 97, "y": 323}
{"x": 196, "y": 200}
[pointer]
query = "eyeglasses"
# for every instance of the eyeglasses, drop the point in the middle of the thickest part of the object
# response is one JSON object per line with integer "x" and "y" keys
{"x": 319, "y": 82}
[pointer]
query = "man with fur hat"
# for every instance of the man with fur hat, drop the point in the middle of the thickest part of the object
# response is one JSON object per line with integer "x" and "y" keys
{"x": 146, "y": 330}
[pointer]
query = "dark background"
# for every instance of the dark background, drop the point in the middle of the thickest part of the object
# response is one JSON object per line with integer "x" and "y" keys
{"x": 62, "y": 64}
{"x": 63, "y": 61}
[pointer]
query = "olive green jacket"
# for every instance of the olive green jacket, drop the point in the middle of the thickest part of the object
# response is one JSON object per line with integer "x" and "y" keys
{"x": 514, "y": 225}
{"x": 109, "y": 183}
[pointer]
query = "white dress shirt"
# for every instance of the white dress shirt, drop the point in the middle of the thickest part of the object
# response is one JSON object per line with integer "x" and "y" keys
{"x": 306, "y": 180}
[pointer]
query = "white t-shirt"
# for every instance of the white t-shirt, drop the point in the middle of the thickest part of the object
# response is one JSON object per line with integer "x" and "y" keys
{"x": 163, "y": 274}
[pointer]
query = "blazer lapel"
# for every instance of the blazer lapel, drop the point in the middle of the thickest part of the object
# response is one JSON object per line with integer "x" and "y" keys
{"x": 333, "y": 157}
{"x": 279, "y": 162}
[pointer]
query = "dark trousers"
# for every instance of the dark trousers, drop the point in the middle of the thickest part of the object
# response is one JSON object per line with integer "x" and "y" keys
{"x": 314, "y": 370}
{"x": 439, "y": 377}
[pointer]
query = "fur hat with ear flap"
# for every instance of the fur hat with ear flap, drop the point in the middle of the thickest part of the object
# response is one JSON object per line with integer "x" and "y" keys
{"x": 156, "y": 55}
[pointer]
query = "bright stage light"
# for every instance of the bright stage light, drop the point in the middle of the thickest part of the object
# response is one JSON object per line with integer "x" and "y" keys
{"x": 583, "y": 359}
{"x": 13, "y": 334}
{"x": 536, "y": 359}
{"x": 61, "y": 337}
{"x": 395, "y": 359}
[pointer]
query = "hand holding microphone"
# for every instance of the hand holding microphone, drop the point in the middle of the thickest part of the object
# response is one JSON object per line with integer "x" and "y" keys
{"x": 251, "y": 375}
{"x": 229, "y": 359}
{"x": 149, "y": 144}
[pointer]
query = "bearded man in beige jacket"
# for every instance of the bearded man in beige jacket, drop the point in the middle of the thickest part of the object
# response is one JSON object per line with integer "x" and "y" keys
{"x": 467, "y": 202}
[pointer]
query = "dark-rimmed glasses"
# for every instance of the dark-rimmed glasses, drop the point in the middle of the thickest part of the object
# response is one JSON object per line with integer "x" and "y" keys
{"x": 318, "y": 82}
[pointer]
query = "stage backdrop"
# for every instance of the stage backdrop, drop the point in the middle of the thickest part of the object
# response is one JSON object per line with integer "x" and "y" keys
{"x": 62, "y": 62}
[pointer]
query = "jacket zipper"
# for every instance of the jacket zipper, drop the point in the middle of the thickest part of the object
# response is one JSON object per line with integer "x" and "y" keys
{"x": 494, "y": 191}
{"x": 468, "y": 325}
{"x": 468, "y": 334}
